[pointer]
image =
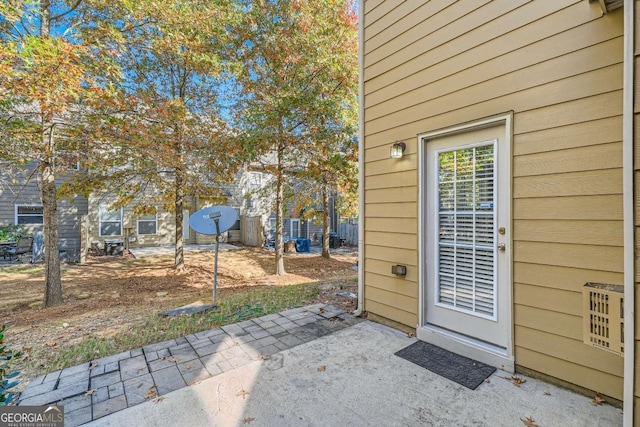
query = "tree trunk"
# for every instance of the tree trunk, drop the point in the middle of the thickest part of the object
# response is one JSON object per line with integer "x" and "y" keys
{"x": 179, "y": 257}
{"x": 53, "y": 282}
{"x": 45, "y": 22}
{"x": 279, "y": 209}
{"x": 325, "y": 224}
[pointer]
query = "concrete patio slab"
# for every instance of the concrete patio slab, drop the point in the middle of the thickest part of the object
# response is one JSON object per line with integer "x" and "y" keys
{"x": 352, "y": 377}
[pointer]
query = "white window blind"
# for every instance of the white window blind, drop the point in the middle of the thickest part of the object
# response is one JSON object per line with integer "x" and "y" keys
{"x": 466, "y": 218}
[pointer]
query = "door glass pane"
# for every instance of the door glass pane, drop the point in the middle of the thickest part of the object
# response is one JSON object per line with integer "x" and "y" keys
{"x": 466, "y": 218}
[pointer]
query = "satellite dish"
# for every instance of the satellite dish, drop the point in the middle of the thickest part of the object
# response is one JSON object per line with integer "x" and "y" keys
{"x": 214, "y": 220}
{"x": 203, "y": 221}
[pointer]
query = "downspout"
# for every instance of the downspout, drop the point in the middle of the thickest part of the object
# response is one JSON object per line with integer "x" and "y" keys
{"x": 360, "y": 158}
{"x": 628, "y": 207}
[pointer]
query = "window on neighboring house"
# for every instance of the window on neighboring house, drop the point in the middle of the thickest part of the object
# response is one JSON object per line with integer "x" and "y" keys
{"x": 255, "y": 181}
{"x": 29, "y": 215}
{"x": 148, "y": 224}
{"x": 110, "y": 221}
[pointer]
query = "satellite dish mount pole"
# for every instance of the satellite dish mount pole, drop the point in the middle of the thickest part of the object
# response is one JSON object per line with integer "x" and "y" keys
{"x": 215, "y": 216}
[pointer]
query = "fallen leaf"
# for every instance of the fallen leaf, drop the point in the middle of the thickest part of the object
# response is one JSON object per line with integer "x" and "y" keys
{"x": 50, "y": 344}
{"x": 515, "y": 380}
{"x": 597, "y": 400}
{"x": 90, "y": 392}
{"x": 158, "y": 399}
{"x": 242, "y": 393}
{"x": 150, "y": 394}
{"x": 487, "y": 381}
{"x": 142, "y": 368}
{"x": 194, "y": 382}
{"x": 546, "y": 393}
{"x": 187, "y": 366}
{"x": 93, "y": 365}
{"x": 248, "y": 420}
{"x": 518, "y": 380}
{"x": 322, "y": 310}
{"x": 410, "y": 335}
{"x": 529, "y": 422}
{"x": 322, "y": 368}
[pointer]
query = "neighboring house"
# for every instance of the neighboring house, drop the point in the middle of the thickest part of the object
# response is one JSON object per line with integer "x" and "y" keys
{"x": 159, "y": 229}
{"x": 517, "y": 126}
{"x": 21, "y": 203}
{"x": 262, "y": 203}
{"x": 293, "y": 226}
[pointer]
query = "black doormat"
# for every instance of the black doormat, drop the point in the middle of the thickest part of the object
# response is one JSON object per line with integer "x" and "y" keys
{"x": 464, "y": 371}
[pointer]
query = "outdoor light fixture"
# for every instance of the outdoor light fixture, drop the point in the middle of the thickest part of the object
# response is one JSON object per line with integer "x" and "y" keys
{"x": 397, "y": 149}
{"x": 399, "y": 270}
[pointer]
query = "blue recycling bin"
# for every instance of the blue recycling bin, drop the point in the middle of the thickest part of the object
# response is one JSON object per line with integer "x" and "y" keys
{"x": 303, "y": 245}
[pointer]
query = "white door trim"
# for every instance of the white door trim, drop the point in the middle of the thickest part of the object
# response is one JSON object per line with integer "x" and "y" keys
{"x": 186, "y": 230}
{"x": 293, "y": 221}
{"x": 495, "y": 356}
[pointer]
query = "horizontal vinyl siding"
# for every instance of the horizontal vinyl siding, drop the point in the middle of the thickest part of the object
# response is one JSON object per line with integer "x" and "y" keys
{"x": 23, "y": 188}
{"x": 165, "y": 227}
{"x": 636, "y": 214}
{"x": 557, "y": 65}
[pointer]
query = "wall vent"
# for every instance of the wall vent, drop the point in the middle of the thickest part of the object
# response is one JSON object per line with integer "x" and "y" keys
{"x": 603, "y": 322}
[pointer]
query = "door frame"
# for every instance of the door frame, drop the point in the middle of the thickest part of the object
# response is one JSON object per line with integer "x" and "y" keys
{"x": 291, "y": 222}
{"x": 502, "y": 358}
{"x": 186, "y": 229}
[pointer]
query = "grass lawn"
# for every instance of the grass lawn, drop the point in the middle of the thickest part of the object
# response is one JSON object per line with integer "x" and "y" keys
{"x": 113, "y": 304}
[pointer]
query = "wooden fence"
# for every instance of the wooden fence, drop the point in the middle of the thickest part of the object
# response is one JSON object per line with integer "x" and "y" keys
{"x": 348, "y": 232}
{"x": 251, "y": 231}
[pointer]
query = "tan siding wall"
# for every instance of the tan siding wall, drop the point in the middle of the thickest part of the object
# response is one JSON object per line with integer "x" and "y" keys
{"x": 557, "y": 64}
{"x": 165, "y": 234}
{"x": 637, "y": 212}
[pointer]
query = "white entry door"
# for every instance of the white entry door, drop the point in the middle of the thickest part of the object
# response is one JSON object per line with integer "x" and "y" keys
{"x": 185, "y": 225}
{"x": 295, "y": 228}
{"x": 467, "y": 240}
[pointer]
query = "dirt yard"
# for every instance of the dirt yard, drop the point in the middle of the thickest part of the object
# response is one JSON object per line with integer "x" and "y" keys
{"x": 111, "y": 293}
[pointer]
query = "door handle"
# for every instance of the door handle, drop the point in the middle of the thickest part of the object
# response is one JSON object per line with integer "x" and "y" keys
{"x": 502, "y": 246}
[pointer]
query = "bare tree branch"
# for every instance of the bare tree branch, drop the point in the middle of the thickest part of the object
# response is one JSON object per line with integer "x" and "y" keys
{"x": 71, "y": 9}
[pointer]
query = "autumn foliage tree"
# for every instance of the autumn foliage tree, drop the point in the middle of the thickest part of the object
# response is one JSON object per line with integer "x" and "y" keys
{"x": 163, "y": 132}
{"x": 299, "y": 85}
{"x": 47, "y": 68}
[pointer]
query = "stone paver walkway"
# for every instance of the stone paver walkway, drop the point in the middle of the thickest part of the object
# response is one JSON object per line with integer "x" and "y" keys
{"x": 103, "y": 386}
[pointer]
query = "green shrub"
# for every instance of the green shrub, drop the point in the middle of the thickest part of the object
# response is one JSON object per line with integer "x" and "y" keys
{"x": 13, "y": 233}
{"x": 6, "y": 379}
